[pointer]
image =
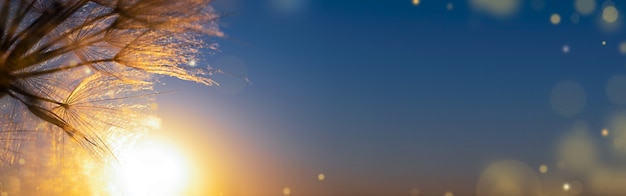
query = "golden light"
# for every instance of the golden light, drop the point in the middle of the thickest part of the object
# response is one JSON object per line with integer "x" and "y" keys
{"x": 555, "y": 19}
{"x": 605, "y": 132}
{"x": 543, "y": 169}
{"x": 286, "y": 191}
{"x": 416, "y": 2}
{"x": 566, "y": 187}
{"x": 610, "y": 14}
{"x": 153, "y": 122}
{"x": 321, "y": 177}
{"x": 151, "y": 167}
{"x": 508, "y": 177}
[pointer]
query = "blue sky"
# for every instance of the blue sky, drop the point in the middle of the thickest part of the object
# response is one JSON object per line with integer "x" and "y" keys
{"x": 384, "y": 96}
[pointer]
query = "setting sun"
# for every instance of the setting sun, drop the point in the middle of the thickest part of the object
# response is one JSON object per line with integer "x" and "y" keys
{"x": 151, "y": 167}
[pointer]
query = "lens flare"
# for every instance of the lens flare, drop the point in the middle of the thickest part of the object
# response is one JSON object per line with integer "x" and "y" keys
{"x": 151, "y": 167}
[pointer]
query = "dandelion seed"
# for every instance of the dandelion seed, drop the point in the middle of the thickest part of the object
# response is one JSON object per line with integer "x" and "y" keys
{"x": 124, "y": 43}
{"x": 80, "y": 70}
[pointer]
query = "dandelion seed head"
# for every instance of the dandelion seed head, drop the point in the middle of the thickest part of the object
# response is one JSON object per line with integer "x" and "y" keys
{"x": 76, "y": 76}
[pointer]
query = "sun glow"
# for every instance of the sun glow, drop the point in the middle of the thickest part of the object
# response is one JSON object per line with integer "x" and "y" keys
{"x": 151, "y": 167}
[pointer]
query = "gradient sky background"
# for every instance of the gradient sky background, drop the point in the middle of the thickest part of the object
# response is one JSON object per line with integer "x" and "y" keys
{"x": 386, "y": 96}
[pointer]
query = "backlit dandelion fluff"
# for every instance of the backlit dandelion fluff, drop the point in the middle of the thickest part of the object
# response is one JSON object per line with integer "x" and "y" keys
{"x": 47, "y": 98}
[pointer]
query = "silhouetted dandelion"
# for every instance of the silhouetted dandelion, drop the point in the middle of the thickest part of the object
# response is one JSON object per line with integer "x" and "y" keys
{"x": 66, "y": 66}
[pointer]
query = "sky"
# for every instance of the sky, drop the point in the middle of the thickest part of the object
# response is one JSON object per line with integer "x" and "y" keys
{"x": 403, "y": 98}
